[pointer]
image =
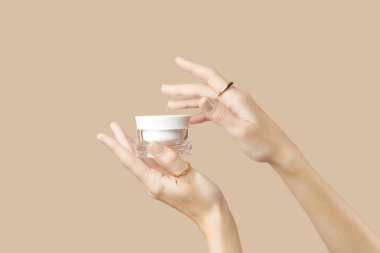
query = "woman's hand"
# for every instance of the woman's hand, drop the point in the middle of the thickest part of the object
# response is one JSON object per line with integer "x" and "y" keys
{"x": 260, "y": 138}
{"x": 193, "y": 194}
{"x": 235, "y": 110}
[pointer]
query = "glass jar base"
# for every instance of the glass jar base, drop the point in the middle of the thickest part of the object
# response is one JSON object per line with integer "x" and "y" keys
{"x": 182, "y": 148}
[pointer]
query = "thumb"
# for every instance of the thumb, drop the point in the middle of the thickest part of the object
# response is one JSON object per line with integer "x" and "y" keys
{"x": 218, "y": 113}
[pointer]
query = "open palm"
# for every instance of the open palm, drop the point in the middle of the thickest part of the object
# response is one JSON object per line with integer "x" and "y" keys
{"x": 193, "y": 194}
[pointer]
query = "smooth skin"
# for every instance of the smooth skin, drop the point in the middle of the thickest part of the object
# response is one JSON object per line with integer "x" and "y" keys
{"x": 340, "y": 228}
{"x": 193, "y": 194}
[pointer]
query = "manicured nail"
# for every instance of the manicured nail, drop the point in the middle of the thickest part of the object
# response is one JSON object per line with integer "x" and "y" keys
{"x": 156, "y": 147}
{"x": 99, "y": 137}
{"x": 208, "y": 105}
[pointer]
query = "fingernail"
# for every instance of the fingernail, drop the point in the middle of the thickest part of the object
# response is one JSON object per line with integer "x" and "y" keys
{"x": 99, "y": 137}
{"x": 156, "y": 147}
{"x": 208, "y": 105}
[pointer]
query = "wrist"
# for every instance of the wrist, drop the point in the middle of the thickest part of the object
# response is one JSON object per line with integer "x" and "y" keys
{"x": 220, "y": 231}
{"x": 219, "y": 214}
{"x": 289, "y": 161}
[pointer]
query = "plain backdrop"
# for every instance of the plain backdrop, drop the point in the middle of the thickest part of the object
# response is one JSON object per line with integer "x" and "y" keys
{"x": 69, "y": 68}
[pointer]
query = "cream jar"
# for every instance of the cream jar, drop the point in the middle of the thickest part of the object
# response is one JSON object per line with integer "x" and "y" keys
{"x": 171, "y": 130}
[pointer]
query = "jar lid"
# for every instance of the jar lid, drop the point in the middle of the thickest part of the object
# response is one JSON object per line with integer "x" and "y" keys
{"x": 162, "y": 122}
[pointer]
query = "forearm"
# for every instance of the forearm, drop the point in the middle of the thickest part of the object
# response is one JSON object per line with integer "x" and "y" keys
{"x": 339, "y": 226}
{"x": 220, "y": 231}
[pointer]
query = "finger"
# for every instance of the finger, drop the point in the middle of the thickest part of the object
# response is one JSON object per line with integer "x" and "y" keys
{"x": 198, "y": 70}
{"x": 184, "y": 103}
{"x": 198, "y": 118}
{"x": 218, "y": 113}
{"x": 151, "y": 163}
{"x": 167, "y": 157}
{"x": 121, "y": 136}
{"x": 191, "y": 89}
{"x": 128, "y": 159}
{"x": 213, "y": 78}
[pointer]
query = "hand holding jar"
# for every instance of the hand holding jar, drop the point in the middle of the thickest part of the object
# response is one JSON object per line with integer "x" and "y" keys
{"x": 170, "y": 179}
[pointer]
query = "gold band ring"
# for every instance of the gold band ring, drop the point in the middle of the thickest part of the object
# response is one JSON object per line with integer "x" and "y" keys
{"x": 182, "y": 173}
{"x": 229, "y": 85}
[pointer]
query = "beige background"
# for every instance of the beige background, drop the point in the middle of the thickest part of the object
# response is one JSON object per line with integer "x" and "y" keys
{"x": 68, "y": 68}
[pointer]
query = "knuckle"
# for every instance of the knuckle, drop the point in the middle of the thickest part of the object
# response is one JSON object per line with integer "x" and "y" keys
{"x": 220, "y": 114}
{"x": 242, "y": 96}
{"x": 212, "y": 72}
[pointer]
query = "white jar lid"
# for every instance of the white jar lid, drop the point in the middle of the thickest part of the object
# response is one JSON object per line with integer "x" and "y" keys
{"x": 162, "y": 122}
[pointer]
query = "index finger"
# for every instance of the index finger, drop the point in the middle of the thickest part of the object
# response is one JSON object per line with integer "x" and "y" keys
{"x": 127, "y": 158}
{"x": 213, "y": 78}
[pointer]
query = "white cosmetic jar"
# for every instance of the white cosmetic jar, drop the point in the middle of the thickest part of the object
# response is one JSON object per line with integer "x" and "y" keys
{"x": 170, "y": 130}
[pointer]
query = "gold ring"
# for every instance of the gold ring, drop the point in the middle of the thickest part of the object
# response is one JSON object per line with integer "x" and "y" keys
{"x": 182, "y": 173}
{"x": 229, "y": 85}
